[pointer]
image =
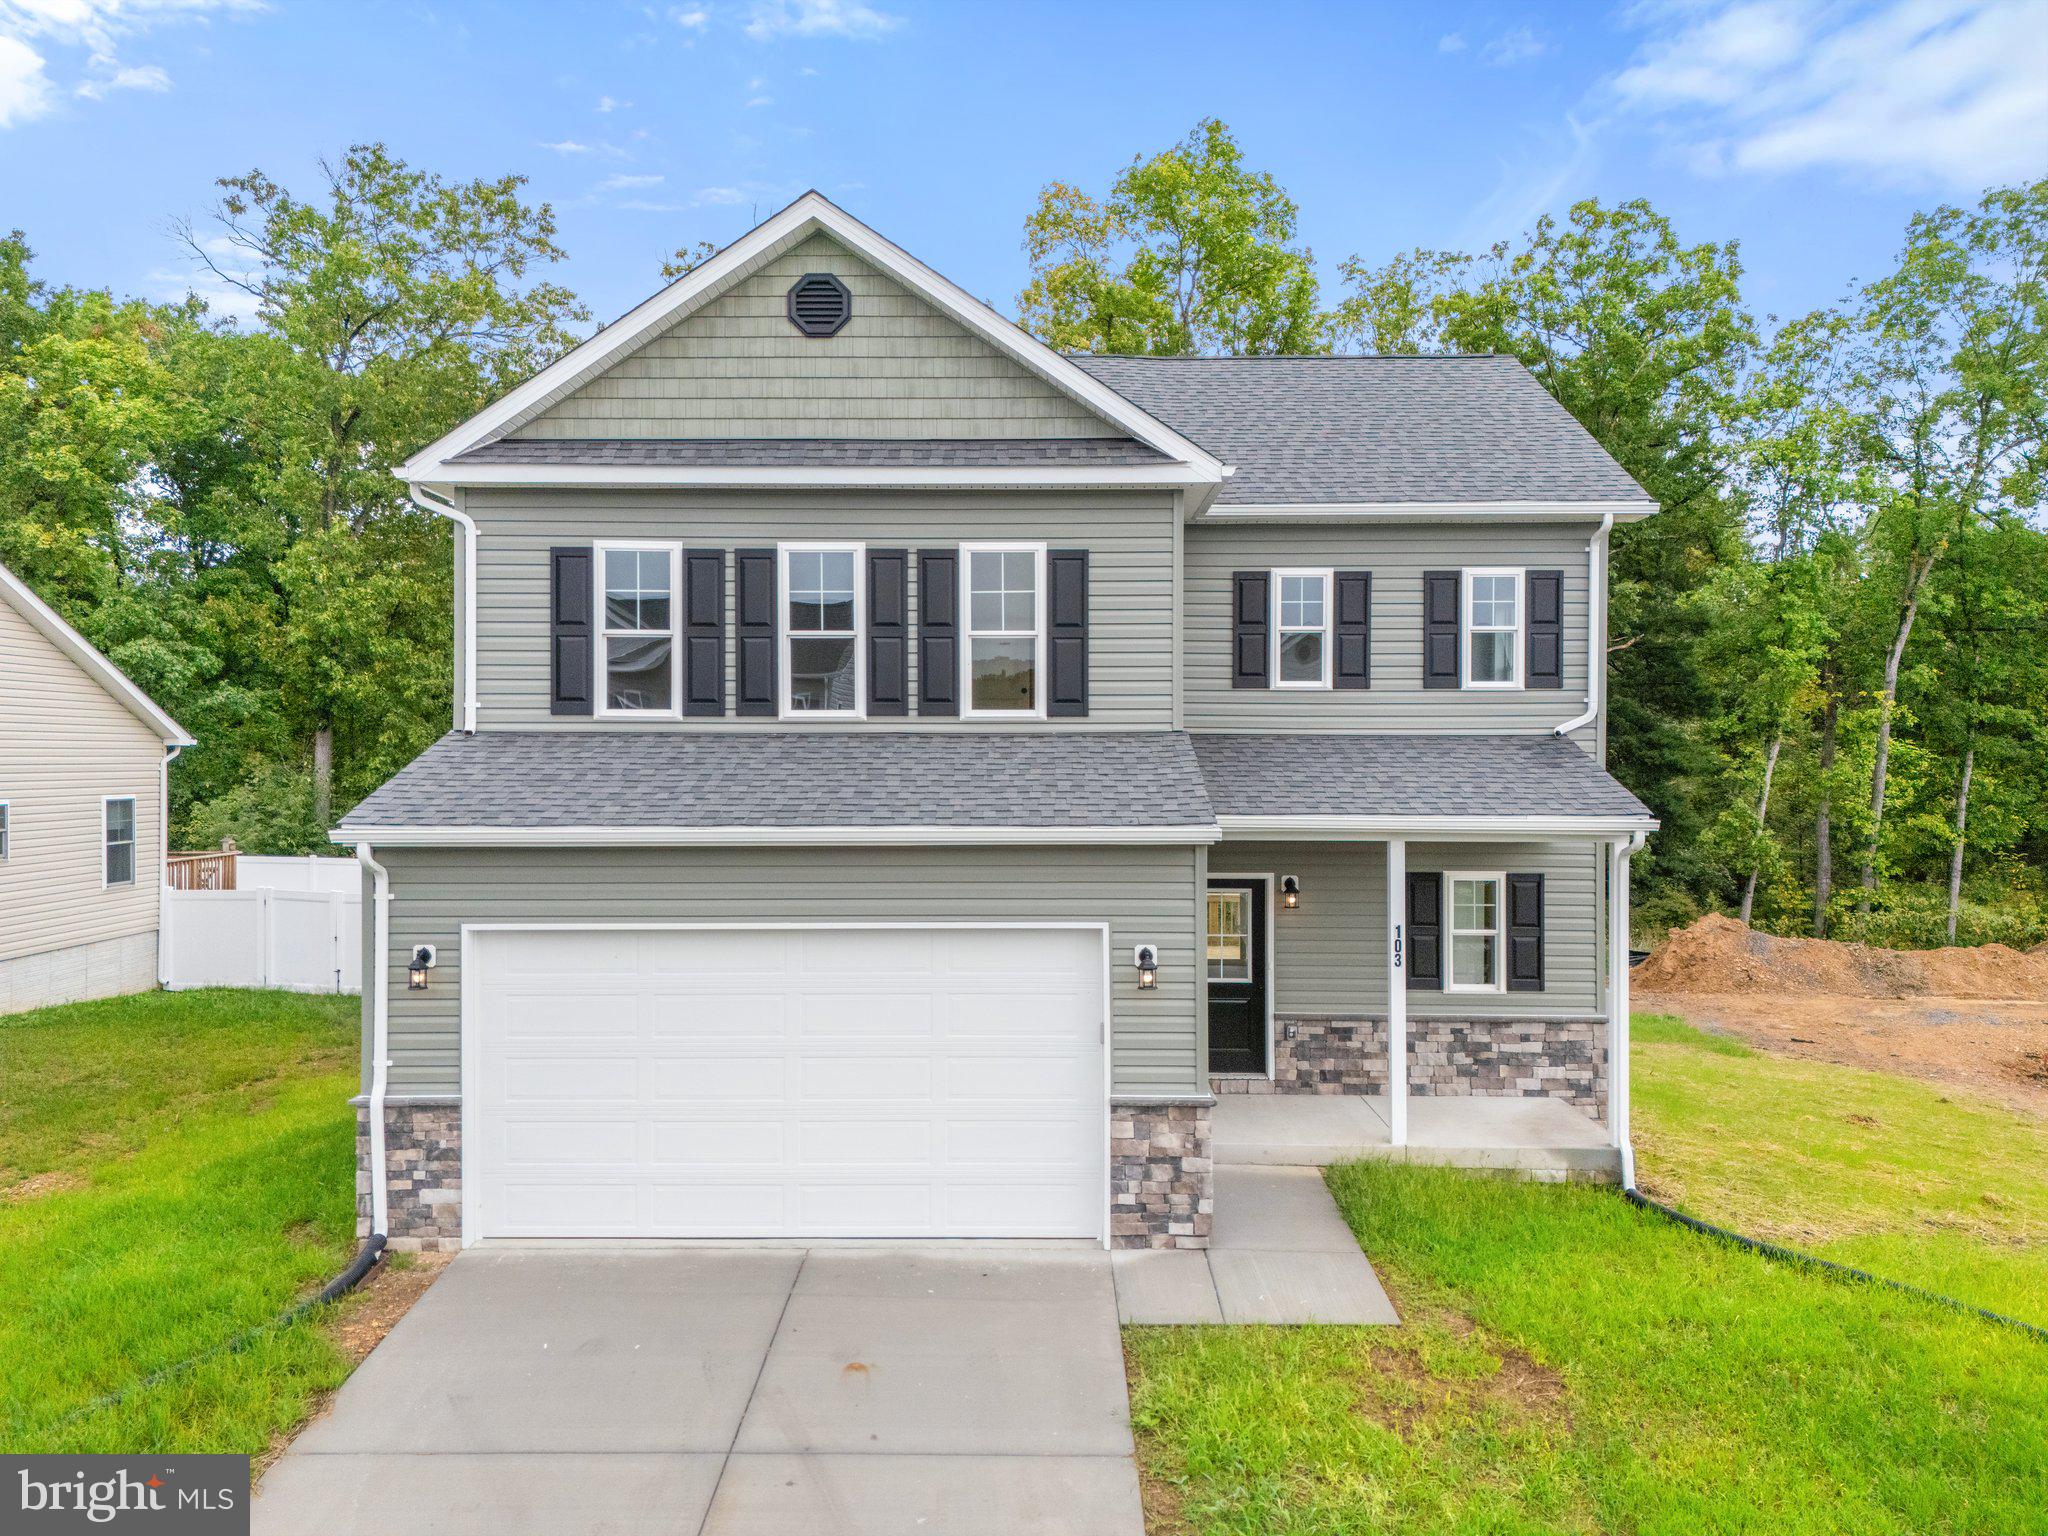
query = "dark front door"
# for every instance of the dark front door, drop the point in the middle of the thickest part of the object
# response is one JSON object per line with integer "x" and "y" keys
{"x": 1236, "y": 953}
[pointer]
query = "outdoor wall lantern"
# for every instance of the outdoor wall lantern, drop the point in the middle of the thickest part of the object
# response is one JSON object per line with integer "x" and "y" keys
{"x": 1147, "y": 958}
{"x": 416, "y": 973}
{"x": 1290, "y": 892}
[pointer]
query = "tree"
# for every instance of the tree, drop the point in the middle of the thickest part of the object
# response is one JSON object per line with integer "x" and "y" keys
{"x": 1190, "y": 252}
{"x": 400, "y": 303}
{"x": 686, "y": 259}
{"x": 1948, "y": 392}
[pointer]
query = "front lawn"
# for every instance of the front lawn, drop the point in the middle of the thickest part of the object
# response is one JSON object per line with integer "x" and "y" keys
{"x": 1569, "y": 1363}
{"x": 175, "y": 1168}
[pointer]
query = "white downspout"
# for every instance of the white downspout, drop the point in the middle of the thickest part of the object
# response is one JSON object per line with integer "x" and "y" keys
{"x": 163, "y": 868}
{"x": 1596, "y": 627}
{"x": 1617, "y": 1001}
{"x": 380, "y": 1035}
{"x": 429, "y": 503}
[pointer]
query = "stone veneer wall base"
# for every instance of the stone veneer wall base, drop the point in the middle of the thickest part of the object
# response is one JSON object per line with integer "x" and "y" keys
{"x": 423, "y": 1164}
{"x": 1162, "y": 1191}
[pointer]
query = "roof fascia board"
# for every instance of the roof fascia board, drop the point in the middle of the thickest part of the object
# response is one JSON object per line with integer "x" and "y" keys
{"x": 1433, "y": 828}
{"x": 800, "y": 218}
{"x": 1372, "y": 511}
{"x": 50, "y": 624}
{"x": 752, "y": 836}
{"x": 777, "y": 475}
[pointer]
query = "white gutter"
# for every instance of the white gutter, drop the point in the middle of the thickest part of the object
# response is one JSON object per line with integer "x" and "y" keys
{"x": 762, "y": 836}
{"x": 1617, "y": 1003}
{"x": 858, "y": 477}
{"x": 437, "y": 507}
{"x": 380, "y": 1037}
{"x": 1433, "y": 828}
{"x": 1428, "y": 511}
{"x": 1596, "y": 627}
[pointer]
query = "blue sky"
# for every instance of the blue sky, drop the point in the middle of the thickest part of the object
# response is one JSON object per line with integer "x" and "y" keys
{"x": 1809, "y": 131}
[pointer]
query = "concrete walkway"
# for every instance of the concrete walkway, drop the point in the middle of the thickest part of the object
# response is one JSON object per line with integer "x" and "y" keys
{"x": 733, "y": 1392}
{"x": 1538, "y": 1137}
{"x": 1281, "y": 1253}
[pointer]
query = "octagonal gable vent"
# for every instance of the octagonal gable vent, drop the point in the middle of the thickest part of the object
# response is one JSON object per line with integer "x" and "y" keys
{"x": 819, "y": 304}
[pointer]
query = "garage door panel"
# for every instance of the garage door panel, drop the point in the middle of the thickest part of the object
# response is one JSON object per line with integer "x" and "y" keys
{"x": 822, "y": 1083}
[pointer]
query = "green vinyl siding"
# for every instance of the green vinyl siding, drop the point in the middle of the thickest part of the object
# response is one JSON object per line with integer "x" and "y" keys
{"x": 1396, "y": 554}
{"x": 1146, "y": 895}
{"x": 736, "y": 367}
{"x": 1129, "y": 537}
{"x": 1330, "y": 952}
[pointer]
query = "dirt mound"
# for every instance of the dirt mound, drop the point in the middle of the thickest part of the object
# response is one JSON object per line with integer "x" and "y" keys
{"x": 1719, "y": 955}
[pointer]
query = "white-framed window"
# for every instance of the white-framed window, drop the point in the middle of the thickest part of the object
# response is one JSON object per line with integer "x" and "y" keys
{"x": 1301, "y": 629}
{"x": 6, "y": 831}
{"x": 1002, "y": 659}
{"x": 1475, "y": 941}
{"x": 824, "y": 614}
{"x": 637, "y": 617}
{"x": 1229, "y": 947}
{"x": 1494, "y": 614}
{"x": 117, "y": 822}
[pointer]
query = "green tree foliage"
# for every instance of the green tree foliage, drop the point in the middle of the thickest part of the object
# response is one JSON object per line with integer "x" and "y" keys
{"x": 1190, "y": 252}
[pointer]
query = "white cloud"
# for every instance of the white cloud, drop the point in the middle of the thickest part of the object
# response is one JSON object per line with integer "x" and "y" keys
{"x": 808, "y": 70}
{"x": 760, "y": 101}
{"x": 691, "y": 18}
{"x": 768, "y": 20}
{"x": 95, "y": 28}
{"x": 723, "y": 197}
{"x": 223, "y": 298}
{"x": 1944, "y": 93}
{"x": 569, "y": 147}
{"x": 132, "y": 77}
{"x": 1517, "y": 45}
{"x": 1451, "y": 42}
{"x": 621, "y": 183}
{"x": 757, "y": 83}
{"x": 613, "y": 104}
{"x": 24, "y": 88}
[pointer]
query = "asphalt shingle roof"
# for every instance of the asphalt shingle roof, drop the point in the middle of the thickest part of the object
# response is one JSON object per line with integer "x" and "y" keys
{"x": 1327, "y": 774}
{"x": 1372, "y": 429}
{"x": 817, "y": 453}
{"x": 779, "y": 778}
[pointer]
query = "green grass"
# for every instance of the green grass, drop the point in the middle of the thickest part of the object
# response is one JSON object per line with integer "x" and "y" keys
{"x": 1568, "y": 1363}
{"x": 179, "y": 1170}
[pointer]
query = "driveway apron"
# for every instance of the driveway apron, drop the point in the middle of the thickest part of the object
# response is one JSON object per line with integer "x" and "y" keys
{"x": 714, "y": 1392}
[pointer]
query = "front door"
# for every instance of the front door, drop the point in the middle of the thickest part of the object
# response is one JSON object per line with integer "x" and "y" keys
{"x": 1236, "y": 953}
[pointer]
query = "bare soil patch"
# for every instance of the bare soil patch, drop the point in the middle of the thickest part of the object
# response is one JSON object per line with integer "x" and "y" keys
{"x": 38, "y": 1185}
{"x": 1720, "y": 957}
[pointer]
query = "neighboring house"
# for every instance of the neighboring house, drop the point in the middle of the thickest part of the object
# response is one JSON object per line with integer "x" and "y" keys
{"x": 84, "y": 763}
{"x": 901, "y": 773}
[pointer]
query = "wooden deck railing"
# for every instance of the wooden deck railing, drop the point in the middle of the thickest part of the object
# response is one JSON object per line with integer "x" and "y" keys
{"x": 201, "y": 871}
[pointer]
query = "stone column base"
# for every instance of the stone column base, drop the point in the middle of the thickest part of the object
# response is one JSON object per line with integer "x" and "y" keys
{"x": 423, "y": 1175}
{"x": 1162, "y": 1187}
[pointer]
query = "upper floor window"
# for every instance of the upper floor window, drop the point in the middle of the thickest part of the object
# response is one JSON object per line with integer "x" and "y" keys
{"x": 639, "y": 608}
{"x": 1005, "y": 651}
{"x": 1493, "y": 629}
{"x": 119, "y": 825}
{"x": 1301, "y": 635}
{"x": 821, "y": 633}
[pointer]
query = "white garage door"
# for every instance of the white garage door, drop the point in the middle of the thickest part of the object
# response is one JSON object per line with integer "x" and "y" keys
{"x": 788, "y": 1083}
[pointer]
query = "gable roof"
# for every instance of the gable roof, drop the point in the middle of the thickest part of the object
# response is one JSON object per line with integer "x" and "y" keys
{"x": 807, "y": 215}
{"x": 1422, "y": 434}
{"x": 43, "y": 618}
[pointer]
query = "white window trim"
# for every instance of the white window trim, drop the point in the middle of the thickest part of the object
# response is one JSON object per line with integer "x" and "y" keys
{"x": 1498, "y": 930}
{"x": 107, "y": 803}
{"x": 1280, "y": 633}
{"x": 968, "y": 633}
{"x": 6, "y": 830}
{"x": 1465, "y": 631}
{"x": 860, "y": 629}
{"x": 601, "y": 661}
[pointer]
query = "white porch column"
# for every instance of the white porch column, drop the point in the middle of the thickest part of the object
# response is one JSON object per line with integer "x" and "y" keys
{"x": 1397, "y": 991}
{"x": 1617, "y": 1002}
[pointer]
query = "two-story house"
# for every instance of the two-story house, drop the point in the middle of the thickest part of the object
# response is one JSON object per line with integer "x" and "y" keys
{"x": 902, "y": 775}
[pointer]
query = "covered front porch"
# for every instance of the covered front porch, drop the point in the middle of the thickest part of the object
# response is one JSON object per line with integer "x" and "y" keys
{"x": 1536, "y": 1137}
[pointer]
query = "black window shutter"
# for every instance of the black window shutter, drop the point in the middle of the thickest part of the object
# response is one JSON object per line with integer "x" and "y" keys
{"x": 1426, "y": 932}
{"x": 1545, "y": 667}
{"x": 888, "y": 632}
{"x": 1354, "y": 630}
{"x": 1439, "y": 629}
{"x": 571, "y": 651}
{"x": 704, "y": 632}
{"x": 938, "y": 632}
{"x": 1250, "y": 629}
{"x": 1525, "y": 933}
{"x": 754, "y": 592}
{"x": 1066, "y": 632}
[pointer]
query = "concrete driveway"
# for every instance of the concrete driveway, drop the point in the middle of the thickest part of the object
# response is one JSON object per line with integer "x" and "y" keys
{"x": 723, "y": 1391}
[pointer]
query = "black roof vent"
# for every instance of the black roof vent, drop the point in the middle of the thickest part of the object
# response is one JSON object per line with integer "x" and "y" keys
{"x": 819, "y": 304}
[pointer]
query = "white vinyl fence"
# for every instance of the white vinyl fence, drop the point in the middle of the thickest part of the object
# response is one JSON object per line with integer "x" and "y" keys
{"x": 304, "y": 940}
